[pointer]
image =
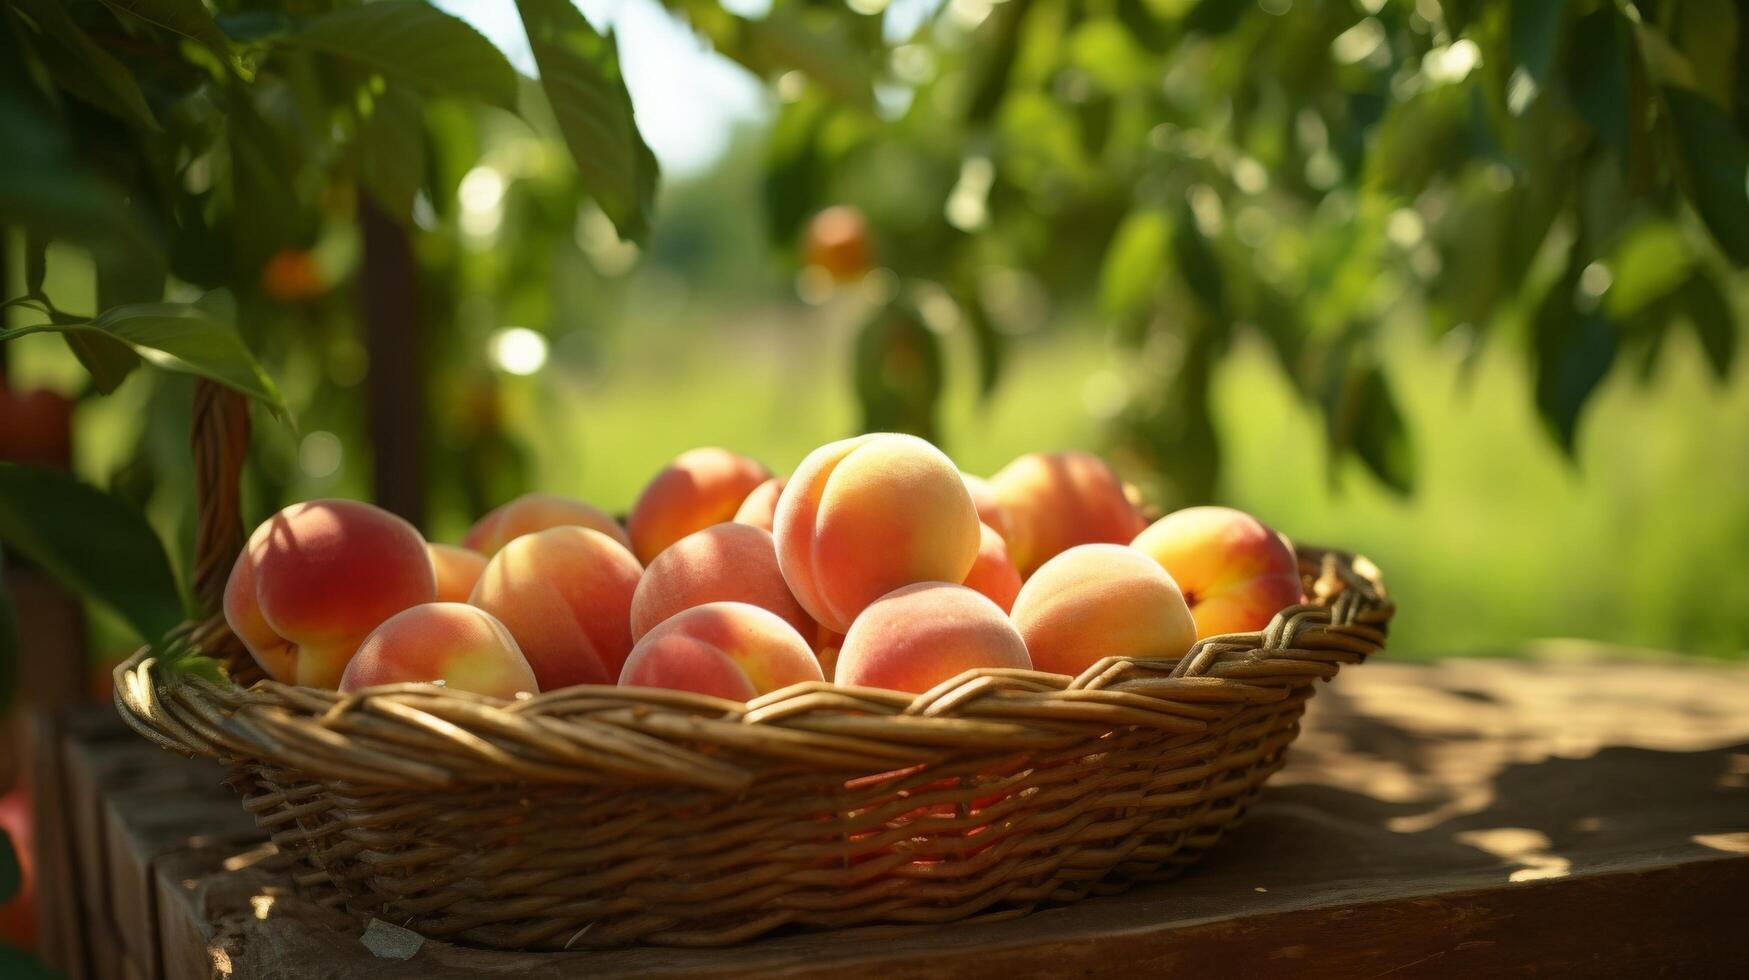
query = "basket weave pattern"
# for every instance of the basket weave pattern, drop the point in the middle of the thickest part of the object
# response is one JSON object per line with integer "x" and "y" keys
{"x": 601, "y": 815}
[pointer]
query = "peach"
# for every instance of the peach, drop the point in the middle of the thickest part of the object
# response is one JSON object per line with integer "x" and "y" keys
{"x": 728, "y": 649}
{"x": 566, "y": 595}
{"x": 862, "y": 516}
{"x": 992, "y": 574}
{"x": 915, "y": 637}
{"x": 460, "y": 645}
{"x": 316, "y": 578}
{"x": 761, "y": 504}
{"x": 699, "y": 488}
{"x": 989, "y": 508}
{"x": 457, "y": 570}
{"x": 827, "y": 643}
{"x": 1236, "y": 572}
{"x": 1101, "y": 600}
{"x": 533, "y": 512}
{"x": 722, "y": 563}
{"x": 1054, "y": 501}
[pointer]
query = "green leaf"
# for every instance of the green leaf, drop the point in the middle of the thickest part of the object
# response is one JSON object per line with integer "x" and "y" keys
{"x": 1534, "y": 33}
{"x": 795, "y": 168}
{"x": 183, "y": 337}
{"x": 814, "y": 39}
{"x": 1104, "y": 49}
{"x": 1715, "y": 161}
{"x": 1418, "y": 139}
{"x": 187, "y": 18}
{"x": 898, "y": 373}
{"x": 92, "y": 543}
{"x": 1135, "y": 263}
{"x": 265, "y": 216}
{"x": 987, "y": 342}
{"x": 1598, "y": 82}
{"x": 1380, "y": 438}
{"x": 1215, "y": 16}
{"x": 107, "y": 360}
{"x": 1710, "y": 314}
{"x": 1574, "y": 351}
{"x": 816, "y": 42}
{"x": 391, "y": 150}
{"x": 43, "y": 185}
{"x": 579, "y": 70}
{"x": 1362, "y": 417}
{"x": 83, "y": 67}
{"x": 417, "y": 44}
{"x": 1647, "y": 263}
{"x": 1197, "y": 265}
{"x": 36, "y": 262}
{"x": 1707, "y": 35}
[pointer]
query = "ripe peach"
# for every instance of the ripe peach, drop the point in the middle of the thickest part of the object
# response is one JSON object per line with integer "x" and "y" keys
{"x": 566, "y": 595}
{"x": 722, "y": 563}
{"x": 533, "y": 512}
{"x": 727, "y": 649}
{"x": 316, "y": 578}
{"x": 992, "y": 574}
{"x": 915, "y": 637}
{"x": 827, "y": 643}
{"x": 761, "y": 504}
{"x": 862, "y": 516}
{"x": 1235, "y": 571}
{"x": 989, "y": 508}
{"x": 292, "y": 275}
{"x": 699, "y": 488}
{"x": 1054, "y": 501}
{"x": 461, "y": 645}
{"x": 837, "y": 242}
{"x": 1101, "y": 600}
{"x": 457, "y": 570}
{"x": 36, "y": 427}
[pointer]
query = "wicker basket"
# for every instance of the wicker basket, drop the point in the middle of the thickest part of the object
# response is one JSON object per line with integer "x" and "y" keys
{"x": 600, "y": 815}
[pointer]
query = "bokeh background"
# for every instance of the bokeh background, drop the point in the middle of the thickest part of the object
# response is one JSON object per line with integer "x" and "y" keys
{"x": 1454, "y": 284}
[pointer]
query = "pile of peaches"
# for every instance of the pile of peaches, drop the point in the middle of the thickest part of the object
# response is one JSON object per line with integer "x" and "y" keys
{"x": 877, "y": 563}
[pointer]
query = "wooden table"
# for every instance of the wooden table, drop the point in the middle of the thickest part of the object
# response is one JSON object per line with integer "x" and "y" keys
{"x": 1474, "y": 818}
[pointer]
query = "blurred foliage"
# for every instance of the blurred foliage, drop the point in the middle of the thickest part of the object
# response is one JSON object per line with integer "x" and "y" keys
{"x": 1572, "y": 171}
{"x": 215, "y": 163}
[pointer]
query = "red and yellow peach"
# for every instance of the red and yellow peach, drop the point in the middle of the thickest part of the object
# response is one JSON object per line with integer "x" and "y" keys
{"x": 727, "y": 649}
{"x": 533, "y": 512}
{"x": 461, "y": 646}
{"x": 722, "y": 563}
{"x": 923, "y": 634}
{"x": 458, "y": 569}
{"x": 1054, "y": 501}
{"x": 1101, "y": 600}
{"x": 761, "y": 504}
{"x": 863, "y": 516}
{"x": 989, "y": 508}
{"x": 566, "y": 596}
{"x": 316, "y": 578}
{"x": 1236, "y": 572}
{"x": 699, "y": 488}
{"x": 992, "y": 574}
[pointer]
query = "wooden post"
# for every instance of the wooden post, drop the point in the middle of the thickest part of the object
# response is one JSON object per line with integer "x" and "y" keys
{"x": 395, "y": 388}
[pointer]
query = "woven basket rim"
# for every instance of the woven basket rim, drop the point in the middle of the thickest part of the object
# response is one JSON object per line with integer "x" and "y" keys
{"x": 420, "y": 735}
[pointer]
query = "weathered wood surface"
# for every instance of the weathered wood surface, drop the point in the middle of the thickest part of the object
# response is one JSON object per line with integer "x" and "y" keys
{"x": 1471, "y": 818}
